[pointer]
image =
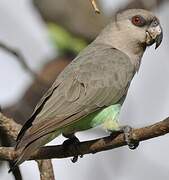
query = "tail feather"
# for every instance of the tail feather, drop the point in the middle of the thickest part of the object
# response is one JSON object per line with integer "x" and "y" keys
{"x": 20, "y": 159}
{"x": 29, "y": 149}
{"x": 13, "y": 167}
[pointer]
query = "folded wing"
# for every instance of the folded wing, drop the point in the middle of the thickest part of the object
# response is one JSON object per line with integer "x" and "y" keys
{"x": 97, "y": 78}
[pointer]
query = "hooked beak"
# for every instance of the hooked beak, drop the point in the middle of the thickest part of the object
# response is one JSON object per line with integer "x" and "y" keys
{"x": 154, "y": 34}
{"x": 158, "y": 39}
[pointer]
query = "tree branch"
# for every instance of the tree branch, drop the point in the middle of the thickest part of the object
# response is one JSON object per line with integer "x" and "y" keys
{"x": 10, "y": 126}
{"x": 12, "y": 129}
{"x": 46, "y": 169}
{"x": 93, "y": 146}
{"x": 94, "y": 5}
{"x": 8, "y": 130}
{"x": 19, "y": 57}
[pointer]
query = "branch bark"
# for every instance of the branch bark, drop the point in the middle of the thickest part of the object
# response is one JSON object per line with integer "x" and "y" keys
{"x": 12, "y": 129}
{"x": 92, "y": 146}
{"x": 8, "y": 131}
{"x": 94, "y": 5}
{"x": 46, "y": 169}
{"x": 10, "y": 126}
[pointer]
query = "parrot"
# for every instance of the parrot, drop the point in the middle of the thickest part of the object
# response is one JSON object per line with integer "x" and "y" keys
{"x": 91, "y": 90}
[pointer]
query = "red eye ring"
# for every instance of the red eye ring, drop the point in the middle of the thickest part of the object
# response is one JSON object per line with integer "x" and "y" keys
{"x": 138, "y": 20}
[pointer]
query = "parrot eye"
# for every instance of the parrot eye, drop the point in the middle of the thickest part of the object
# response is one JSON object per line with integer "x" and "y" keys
{"x": 138, "y": 21}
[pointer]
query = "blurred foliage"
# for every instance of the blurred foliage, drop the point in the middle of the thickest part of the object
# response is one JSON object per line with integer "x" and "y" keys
{"x": 76, "y": 16}
{"x": 64, "y": 40}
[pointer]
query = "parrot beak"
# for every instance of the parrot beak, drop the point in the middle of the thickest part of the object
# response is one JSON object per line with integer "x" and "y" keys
{"x": 154, "y": 33}
{"x": 158, "y": 39}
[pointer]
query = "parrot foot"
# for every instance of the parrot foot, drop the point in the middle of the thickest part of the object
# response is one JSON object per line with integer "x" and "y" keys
{"x": 132, "y": 144}
{"x": 127, "y": 130}
{"x": 72, "y": 141}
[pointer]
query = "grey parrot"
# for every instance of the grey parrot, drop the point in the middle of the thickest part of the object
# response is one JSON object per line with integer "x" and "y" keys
{"x": 91, "y": 90}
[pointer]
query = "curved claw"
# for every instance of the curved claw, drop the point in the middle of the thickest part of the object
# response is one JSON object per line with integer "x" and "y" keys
{"x": 72, "y": 141}
{"x": 74, "y": 159}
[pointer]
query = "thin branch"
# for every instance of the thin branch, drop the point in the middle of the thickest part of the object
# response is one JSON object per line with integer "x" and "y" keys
{"x": 93, "y": 146}
{"x": 94, "y": 5}
{"x": 19, "y": 57}
{"x": 7, "y": 130}
{"x": 46, "y": 169}
{"x": 7, "y": 142}
{"x": 12, "y": 129}
{"x": 10, "y": 126}
{"x": 7, "y": 153}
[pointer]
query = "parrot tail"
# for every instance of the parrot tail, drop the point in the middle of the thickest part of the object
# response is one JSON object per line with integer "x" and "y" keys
{"x": 29, "y": 149}
{"x": 26, "y": 153}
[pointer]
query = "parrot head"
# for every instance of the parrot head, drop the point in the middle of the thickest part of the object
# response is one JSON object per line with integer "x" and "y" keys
{"x": 142, "y": 26}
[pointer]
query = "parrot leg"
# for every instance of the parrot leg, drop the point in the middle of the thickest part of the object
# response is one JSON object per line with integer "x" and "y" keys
{"x": 72, "y": 140}
{"x": 127, "y": 130}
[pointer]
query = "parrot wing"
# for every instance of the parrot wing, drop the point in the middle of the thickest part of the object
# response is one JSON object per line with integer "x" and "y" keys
{"x": 97, "y": 78}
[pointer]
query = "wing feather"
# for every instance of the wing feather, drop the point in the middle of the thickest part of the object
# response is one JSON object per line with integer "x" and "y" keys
{"x": 95, "y": 79}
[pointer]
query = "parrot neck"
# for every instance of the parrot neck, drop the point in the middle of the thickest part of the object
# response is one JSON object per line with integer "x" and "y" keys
{"x": 117, "y": 38}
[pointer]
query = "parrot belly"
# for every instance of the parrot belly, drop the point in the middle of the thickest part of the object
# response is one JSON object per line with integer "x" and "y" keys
{"x": 107, "y": 118}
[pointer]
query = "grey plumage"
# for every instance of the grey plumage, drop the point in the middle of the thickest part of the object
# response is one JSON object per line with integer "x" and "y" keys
{"x": 97, "y": 78}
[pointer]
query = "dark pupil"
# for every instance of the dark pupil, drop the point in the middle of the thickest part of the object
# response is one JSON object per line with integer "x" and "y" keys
{"x": 137, "y": 20}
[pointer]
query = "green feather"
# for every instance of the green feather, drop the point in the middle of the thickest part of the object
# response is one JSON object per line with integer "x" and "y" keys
{"x": 108, "y": 118}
